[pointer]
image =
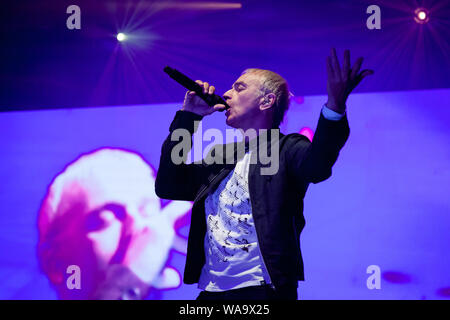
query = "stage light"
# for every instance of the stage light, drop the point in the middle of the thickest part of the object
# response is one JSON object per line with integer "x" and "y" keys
{"x": 121, "y": 37}
{"x": 421, "y": 15}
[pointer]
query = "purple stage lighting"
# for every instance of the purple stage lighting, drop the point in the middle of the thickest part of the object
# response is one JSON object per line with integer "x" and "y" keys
{"x": 421, "y": 15}
{"x": 121, "y": 37}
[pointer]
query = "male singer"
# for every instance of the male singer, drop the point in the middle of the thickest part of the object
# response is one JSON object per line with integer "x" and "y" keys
{"x": 245, "y": 226}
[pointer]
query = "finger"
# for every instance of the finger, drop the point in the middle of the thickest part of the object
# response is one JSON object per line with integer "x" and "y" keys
{"x": 219, "y": 107}
{"x": 346, "y": 65}
{"x": 175, "y": 210}
{"x": 362, "y": 75}
{"x": 211, "y": 89}
{"x": 356, "y": 68}
{"x": 335, "y": 63}
{"x": 330, "y": 70}
{"x": 366, "y": 72}
{"x": 179, "y": 244}
{"x": 205, "y": 87}
{"x": 169, "y": 278}
{"x": 189, "y": 96}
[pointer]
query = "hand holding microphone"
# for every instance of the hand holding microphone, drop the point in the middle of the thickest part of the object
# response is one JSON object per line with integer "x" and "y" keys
{"x": 194, "y": 103}
{"x": 200, "y": 98}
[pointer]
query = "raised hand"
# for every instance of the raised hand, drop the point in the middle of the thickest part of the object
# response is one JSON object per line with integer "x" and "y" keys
{"x": 150, "y": 239}
{"x": 342, "y": 81}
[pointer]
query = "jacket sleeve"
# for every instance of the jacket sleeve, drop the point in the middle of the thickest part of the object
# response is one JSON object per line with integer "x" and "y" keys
{"x": 178, "y": 181}
{"x": 312, "y": 161}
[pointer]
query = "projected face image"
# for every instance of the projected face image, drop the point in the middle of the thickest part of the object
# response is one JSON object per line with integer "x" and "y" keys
{"x": 102, "y": 211}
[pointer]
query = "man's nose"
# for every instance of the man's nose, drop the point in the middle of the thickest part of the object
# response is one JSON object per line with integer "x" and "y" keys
{"x": 227, "y": 95}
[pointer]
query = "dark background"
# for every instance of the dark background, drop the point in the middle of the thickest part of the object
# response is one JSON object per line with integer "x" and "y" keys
{"x": 46, "y": 65}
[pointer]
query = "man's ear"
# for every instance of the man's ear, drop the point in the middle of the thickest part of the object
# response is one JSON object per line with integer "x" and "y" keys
{"x": 267, "y": 101}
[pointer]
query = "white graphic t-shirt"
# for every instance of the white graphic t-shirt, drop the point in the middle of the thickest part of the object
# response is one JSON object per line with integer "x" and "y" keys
{"x": 233, "y": 258}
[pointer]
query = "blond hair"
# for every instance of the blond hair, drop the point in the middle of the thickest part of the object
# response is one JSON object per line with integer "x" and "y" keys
{"x": 274, "y": 83}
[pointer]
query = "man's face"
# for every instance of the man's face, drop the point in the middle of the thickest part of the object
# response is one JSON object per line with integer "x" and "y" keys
{"x": 97, "y": 234}
{"x": 96, "y": 216}
{"x": 244, "y": 99}
{"x": 113, "y": 209}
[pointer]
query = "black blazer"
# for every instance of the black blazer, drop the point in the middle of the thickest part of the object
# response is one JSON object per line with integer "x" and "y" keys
{"x": 276, "y": 200}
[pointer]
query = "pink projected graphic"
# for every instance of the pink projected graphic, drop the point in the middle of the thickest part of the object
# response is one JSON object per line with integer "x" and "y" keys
{"x": 86, "y": 108}
{"x": 102, "y": 216}
{"x": 93, "y": 200}
{"x": 307, "y": 132}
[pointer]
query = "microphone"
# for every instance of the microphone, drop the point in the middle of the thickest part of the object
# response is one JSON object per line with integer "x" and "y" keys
{"x": 191, "y": 85}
